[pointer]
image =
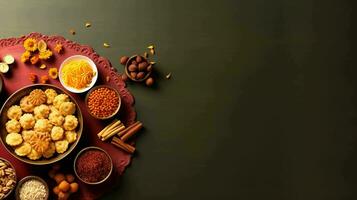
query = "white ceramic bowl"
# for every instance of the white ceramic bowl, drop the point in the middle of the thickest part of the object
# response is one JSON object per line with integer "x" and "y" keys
{"x": 90, "y": 62}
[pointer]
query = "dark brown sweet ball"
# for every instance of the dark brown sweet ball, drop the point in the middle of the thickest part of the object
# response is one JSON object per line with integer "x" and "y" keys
{"x": 149, "y": 82}
{"x": 124, "y": 60}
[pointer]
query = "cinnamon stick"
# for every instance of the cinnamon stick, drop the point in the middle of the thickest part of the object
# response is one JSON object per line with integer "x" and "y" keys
{"x": 121, "y": 133}
{"x": 111, "y": 128}
{"x": 120, "y": 144}
{"x": 131, "y": 132}
{"x": 113, "y": 132}
{"x": 106, "y": 128}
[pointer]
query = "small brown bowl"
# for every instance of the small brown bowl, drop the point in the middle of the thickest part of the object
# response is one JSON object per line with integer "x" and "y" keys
{"x": 6, "y": 161}
{"x": 128, "y": 73}
{"x": 98, "y": 149}
{"x": 103, "y": 86}
{"x": 18, "y": 187}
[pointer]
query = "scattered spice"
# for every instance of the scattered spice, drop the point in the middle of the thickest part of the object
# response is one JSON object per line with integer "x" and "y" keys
{"x": 72, "y": 31}
{"x": 88, "y": 24}
{"x": 33, "y": 189}
{"x": 53, "y": 73}
{"x": 106, "y": 45}
{"x": 33, "y": 77}
{"x": 43, "y": 66}
{"x": 93, "y": 166}
{"x": 146, "y": 55}
{"x": 103, "y": 102}
{"x": 44, "y": 79}
{"x": 168, "y": 76}
{"x": 7, "y": 178}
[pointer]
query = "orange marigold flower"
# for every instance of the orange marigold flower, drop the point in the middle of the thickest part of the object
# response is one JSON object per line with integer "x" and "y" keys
{"x": 33, "y": 77}
{"x": 44, "y": 55}
{"x": 25, "y": 56}
{"x": 30, "y": 44}
{"x": 34, "y": 59}
{"x": 53, "y": 73}
{"x": 58, "y": 48}
{"x": 44, "y": 79}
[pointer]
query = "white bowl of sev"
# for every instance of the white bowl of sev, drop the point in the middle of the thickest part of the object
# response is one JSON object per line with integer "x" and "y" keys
{"x": 78, "y": 74}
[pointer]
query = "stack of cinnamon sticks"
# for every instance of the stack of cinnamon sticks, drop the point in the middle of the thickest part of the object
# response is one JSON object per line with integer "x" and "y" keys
{"x": 120, "y": 134}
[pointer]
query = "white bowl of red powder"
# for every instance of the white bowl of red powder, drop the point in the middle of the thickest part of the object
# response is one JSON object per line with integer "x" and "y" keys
{"x": 93, "y": 165}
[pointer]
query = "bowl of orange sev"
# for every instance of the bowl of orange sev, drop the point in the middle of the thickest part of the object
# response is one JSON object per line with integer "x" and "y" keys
{"x": 78, "y": 74}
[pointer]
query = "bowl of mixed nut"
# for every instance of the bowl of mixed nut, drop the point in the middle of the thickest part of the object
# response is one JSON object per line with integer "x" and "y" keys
{"x": 7, "y": 178}
{"x": 138, "y": 68}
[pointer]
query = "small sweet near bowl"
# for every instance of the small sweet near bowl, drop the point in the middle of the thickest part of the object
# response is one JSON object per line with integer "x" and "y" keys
{"x": 129, "y": 62}
{"x": 27, "y": 178}
{"x": 95, "y": 149}
{"x": 74, "y": 58}
{"x": 11, "y": 166}
{"x": 109, "y": 116}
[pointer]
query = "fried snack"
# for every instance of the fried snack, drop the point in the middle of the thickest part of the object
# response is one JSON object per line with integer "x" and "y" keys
{"x": 13, "y": 139}
{"x": 43, "y": 125}
{"x": 71, "y": 136}
{"x": 26, "y": 134}
{"x": 50, "y": 151}
{"x": 56, "y": 118}
{"x": 34, "y": 155}
{"x": 57, "y": 133}
{"x": 61, "y": 146}
{"x": 59, "y": 99}
{"x": 51, "y": 94}
{"x": 13, "y": 126}
{"x": 24, "y": 149}
{"x": 41, "y": 112}
{"x": 27, "y": 121}
{"x": 40, "y": 141}
{"x": 14, "y": 112}
{"x": 70, "y": 123}
{"x": 25, "y": 105}
{"x": 37, "y": 97}
{"x": 67, "y": 108}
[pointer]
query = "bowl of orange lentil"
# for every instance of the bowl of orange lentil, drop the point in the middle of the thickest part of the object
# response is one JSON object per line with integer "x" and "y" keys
{"x": 103, "y": 102}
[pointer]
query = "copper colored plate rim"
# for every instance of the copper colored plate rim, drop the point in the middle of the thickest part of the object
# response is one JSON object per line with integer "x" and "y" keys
{"x": 41, "y": 161}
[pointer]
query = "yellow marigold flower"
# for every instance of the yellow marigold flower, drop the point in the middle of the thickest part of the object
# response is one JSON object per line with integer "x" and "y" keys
{"x": 30, "y": 44}
{"x": 53, "y": 73}
{"x": 25, "y": 56}
{"x": 44, "y": 55}
{"x": 58, "y": 48}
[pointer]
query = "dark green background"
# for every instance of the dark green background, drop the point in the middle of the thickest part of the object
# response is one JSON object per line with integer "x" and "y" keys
{"x": 262, "y": 100}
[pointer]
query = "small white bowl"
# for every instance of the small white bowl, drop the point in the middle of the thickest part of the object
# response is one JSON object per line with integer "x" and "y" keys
{"x": 90, "y": 62}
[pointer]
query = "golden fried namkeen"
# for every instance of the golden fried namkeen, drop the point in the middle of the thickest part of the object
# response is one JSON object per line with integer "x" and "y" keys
{"x": 14, "y": 112}
{"x": 13, "y": 126}
{"x": 13, "y": 139}
{"x": 27, "y": 121}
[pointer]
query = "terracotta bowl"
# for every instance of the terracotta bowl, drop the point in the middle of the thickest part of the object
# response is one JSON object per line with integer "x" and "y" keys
{"x": 17, "y": 191}
{"x": 14, "y": 99}
{"x": 128, "y": 73}
{"x": 92, "y": 148}
{"x": 103, "y": 86}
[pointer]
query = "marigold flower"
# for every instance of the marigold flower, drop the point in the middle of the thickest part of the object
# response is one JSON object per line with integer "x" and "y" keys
{"x": 34, "y": 59}
{"x": 44, "y": 55}
{"x": 44, "y": 79}
{"x": 53, "y": 73}
{"x": 33, "y": 77}
{"x": 30, "y": 44}
{"x": 25, "y": 56}
{"x": 58, "y": 48}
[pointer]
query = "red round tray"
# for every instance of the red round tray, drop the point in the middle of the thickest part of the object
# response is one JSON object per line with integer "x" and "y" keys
{"x": 17, "y": 78}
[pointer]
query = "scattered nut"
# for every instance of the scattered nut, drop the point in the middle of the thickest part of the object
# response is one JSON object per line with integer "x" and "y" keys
{"x": 72, "y": 31}
{"x": 152, "y": 51}
{"x": 106, "y": 45}
{"x": 146, "y": 55}
{"x": 152, "y": 63}
{"x": 7, "y": 178}
{"x": 132, "y": 68}
{"x": 149, "y": 82}
{"x": 140, "y": 75}
{"x": 124, "y": 77}
{"x": 124, "y": 60}
{"x": 107, "y": 78}
{"x": 142, "y": 66}
{"x": 151, "y": 47}
{"x": 43, "y": 66}
{"x": 88, "y": 24}
{"x": 168, "y": 76}
{"x": 149, "y": 68}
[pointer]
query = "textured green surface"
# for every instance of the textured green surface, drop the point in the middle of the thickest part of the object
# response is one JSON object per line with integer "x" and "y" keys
{"x": 262, "y": 100}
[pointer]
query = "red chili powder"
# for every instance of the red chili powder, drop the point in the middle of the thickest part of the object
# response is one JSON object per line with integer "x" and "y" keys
{"x": 93, "y": 166}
